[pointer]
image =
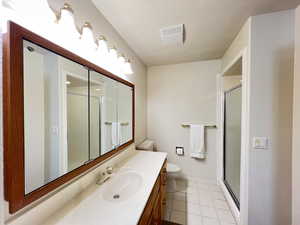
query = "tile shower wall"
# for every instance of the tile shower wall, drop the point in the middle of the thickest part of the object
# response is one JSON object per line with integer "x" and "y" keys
{"x": 198, "y": 202}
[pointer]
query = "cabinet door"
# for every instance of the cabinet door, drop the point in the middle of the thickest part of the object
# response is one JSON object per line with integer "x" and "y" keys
{"x": 163, "y": 190}
{"x": 151, "y": 220}
{"x": 157, "y": 211}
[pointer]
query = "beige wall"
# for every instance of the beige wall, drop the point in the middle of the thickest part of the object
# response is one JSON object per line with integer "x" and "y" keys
{"x": 296, "y": 124}
{"x": 231, "y": 82}
{"x": 240, "y": 42}
{"x": 271, "y": 100}
{"x": 86, "y": 11}
{"x": 183, "y": 93}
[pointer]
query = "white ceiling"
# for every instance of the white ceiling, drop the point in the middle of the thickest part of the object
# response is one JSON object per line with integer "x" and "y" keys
{"x": 210, "y": 25}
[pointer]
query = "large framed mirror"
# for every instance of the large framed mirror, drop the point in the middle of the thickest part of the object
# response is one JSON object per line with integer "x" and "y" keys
{"x": 62, "y": 116}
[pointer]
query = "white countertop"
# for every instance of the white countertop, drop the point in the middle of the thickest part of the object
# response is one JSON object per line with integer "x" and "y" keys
{"x": 89, "y": 208}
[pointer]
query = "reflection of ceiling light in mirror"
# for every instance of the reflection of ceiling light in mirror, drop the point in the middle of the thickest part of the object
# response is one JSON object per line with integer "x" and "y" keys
{"x": 68, "y": 82}
{"x": 127, "y": 69}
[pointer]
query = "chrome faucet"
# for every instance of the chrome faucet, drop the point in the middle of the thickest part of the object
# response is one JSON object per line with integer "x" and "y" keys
{"x": 105, "y": 176}
{"x": 109, "y": 170}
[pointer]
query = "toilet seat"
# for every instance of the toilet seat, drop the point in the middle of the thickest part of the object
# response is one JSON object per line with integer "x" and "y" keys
{"x": 172, "y": 168}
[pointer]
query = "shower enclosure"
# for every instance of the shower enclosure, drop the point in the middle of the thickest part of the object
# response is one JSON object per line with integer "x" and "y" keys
{"x": 232, "y": 141}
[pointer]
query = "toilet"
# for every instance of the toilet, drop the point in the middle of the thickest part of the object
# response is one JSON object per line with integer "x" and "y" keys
{"x": 172, "y": 169}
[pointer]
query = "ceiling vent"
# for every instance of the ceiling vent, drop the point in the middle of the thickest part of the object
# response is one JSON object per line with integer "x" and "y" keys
{"x": 172, "y": 34}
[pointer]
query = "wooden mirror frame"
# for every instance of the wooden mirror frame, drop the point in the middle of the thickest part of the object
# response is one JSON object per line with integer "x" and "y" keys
{"x": 13, "y": 117}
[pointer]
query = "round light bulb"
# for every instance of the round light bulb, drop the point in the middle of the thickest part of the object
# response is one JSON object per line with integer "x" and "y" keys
{"x": 127, "y": 69}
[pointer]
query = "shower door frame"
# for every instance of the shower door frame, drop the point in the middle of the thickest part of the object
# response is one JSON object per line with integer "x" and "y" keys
{"x": 241, "y": 216}
{"x": 237, "y": 202}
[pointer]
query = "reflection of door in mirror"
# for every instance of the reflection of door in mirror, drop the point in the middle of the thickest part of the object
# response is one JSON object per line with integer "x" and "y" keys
{"x": 124, "y": 113}
{"x": 77, "y": 119}
{"x": 96, "y": 92}
{"x": 107, "y": 89}
{"x": 45, "y": 116}
{"x": 74, "y": 104}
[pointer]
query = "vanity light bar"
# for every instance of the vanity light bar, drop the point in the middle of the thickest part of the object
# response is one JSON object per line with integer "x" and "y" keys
{"x": 101, "y": 42}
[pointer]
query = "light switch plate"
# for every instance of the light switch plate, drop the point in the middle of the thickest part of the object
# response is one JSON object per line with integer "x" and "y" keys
{"x": 180, "y": 151}
{"x": 260, "y": 142}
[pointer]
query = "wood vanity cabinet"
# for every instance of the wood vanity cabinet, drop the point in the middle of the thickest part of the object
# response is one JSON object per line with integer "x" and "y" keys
{"x": 154, "y": 211}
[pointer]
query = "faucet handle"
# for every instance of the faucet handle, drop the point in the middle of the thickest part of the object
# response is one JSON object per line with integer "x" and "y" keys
{"x": 109, "y": 170}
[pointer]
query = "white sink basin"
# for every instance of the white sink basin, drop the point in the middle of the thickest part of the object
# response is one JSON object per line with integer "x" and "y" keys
{"x": 122, "y": 186}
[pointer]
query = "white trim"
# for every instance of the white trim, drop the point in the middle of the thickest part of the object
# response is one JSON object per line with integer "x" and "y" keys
{"x": 242, "y": 215}
{"x": 234, "y": 209}
{"x": 63, "y": 138}
{"x": 219, "y": 136}
{"x": 233, "y": 61}
{"x": 245, "y": 156}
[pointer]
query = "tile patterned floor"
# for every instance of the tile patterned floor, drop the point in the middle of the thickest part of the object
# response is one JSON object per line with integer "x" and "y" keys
{"x": 198, "y": 203}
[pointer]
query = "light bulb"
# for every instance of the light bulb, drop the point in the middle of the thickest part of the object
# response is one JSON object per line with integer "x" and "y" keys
{"x": 121, "y": 59}
{"x": 102, "y": 52}
{"x": 113, "y": 54}
{"x": 68, "y": 35}
{"x": 113, "y": 60}
{"x": 127, "y": 69}
{"x": 87, "y": 36}
{"x": 66, "y": 19}
{"x": 102, "y": 45}
{"x": 121, "y": 63}
{"x": 87, "y": 43}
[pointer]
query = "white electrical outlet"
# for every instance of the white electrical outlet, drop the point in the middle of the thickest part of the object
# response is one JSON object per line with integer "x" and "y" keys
{"x": 260, "y": 142}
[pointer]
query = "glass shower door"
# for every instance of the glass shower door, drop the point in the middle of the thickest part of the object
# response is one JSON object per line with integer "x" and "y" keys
{"x": 232, "y": 142}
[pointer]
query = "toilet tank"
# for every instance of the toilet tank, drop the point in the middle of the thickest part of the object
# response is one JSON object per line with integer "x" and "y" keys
{"x": 147, "y": 145}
